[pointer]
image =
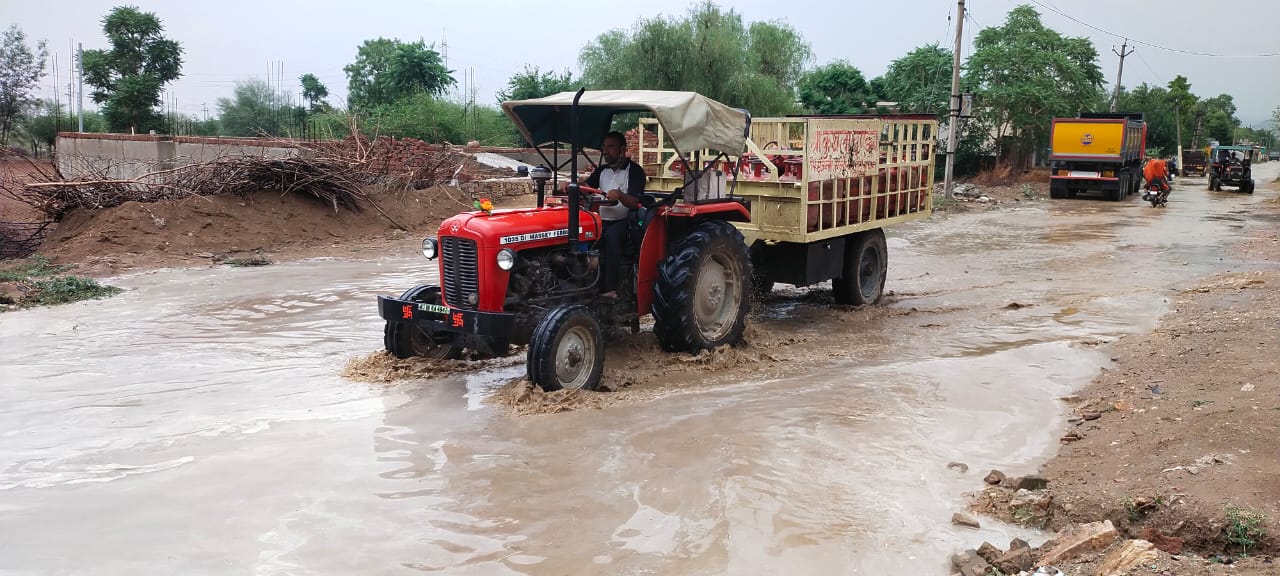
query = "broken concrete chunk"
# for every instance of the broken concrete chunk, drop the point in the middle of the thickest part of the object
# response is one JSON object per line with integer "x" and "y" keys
{"x": 962, "y": 519}
{"x": 1128, "y": 556}
{"x": 994, "y": 477}
{"x": 1032, "y": 482}
{"x": 960, "y": 467}
{"x": 989, "y": 552}
{"x": 1014, "y": 561}
{"x": 1079, "y": 539}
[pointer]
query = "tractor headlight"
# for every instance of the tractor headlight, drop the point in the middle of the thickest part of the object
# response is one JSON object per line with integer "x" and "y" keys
{"x": 430, "y": 248}
{"x": 506, "y": 259}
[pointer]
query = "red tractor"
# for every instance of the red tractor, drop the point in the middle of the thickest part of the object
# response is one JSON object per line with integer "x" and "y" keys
{"x": 533, "y": 276}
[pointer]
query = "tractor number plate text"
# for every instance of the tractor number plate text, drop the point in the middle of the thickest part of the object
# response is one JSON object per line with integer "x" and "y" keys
{"x": 438, "y": 309}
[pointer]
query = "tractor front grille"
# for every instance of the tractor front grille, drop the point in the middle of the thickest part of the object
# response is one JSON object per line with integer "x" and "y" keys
{"x": 461, "y": 279}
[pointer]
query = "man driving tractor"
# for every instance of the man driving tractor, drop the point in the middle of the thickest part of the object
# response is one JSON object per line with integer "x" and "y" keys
{"x": 622, "y": 181}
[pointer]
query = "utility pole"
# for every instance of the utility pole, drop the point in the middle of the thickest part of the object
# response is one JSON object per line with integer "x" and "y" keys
{"x": 1177, "y": 119}
{"x": 1124, "y": 51}
{"x": 953, "y": 127}
{"x": 80, "y": 93}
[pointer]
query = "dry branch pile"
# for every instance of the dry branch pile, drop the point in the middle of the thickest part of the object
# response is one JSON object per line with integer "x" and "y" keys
{"x": 336, "y": 173}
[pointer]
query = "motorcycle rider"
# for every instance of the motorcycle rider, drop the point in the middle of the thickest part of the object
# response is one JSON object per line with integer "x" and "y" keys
{"x": 1157, "y": 172}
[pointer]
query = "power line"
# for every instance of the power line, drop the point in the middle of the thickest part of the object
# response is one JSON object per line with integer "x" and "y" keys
{"x": 1159, "y": 77}
{"x": 1166, "y": 48}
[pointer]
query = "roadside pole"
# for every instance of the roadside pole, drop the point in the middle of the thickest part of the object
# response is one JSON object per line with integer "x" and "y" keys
{"x": 953, "y": 127}
{"x": 1124, "y": 51}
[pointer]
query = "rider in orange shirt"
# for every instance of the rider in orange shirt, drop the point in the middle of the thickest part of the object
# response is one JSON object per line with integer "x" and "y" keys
{"x": 1156, "y": 171}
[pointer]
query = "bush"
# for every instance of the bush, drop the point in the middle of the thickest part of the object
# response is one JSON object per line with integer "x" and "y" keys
{"x": 431, "y": 119}
{"x": 43, "y": 283}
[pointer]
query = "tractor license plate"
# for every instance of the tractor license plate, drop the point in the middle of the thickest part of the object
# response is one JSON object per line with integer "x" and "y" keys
{"x": 438, "y": 309}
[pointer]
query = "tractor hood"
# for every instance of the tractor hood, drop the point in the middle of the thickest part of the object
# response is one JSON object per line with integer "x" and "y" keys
{"x": 518, "y": 227}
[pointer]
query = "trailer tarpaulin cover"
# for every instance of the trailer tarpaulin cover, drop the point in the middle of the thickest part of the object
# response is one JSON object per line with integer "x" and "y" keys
{"x": 692, "y": 121}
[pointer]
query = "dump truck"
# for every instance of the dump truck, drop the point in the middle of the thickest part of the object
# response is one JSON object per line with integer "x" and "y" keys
{"x": 1195, "y": 163}
{"x": 721, "y": 216}
{"x": 1097, "y": 153}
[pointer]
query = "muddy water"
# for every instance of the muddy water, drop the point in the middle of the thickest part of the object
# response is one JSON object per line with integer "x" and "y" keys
{"x": 197, "y": 424}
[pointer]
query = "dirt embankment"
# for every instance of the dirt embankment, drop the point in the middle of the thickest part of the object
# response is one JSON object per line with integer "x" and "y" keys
{"x": 204, "y": 229}
{"x": 1177, "y": 442}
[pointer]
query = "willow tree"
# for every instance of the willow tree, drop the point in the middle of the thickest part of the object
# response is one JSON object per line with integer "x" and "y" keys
{"x": 710, "y": 51}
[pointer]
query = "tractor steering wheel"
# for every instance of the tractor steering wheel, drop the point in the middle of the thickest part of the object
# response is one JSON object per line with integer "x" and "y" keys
{"x": 589, "y": 195}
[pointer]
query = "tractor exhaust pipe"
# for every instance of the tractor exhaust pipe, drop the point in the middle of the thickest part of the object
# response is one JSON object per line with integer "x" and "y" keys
{"x": 575, "y": 194}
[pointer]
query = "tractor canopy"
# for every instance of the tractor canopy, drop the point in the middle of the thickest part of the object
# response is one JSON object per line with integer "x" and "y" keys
{"x": 691, "y": 120}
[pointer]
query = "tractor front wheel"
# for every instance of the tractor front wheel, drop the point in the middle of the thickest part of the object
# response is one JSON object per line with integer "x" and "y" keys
{"x": 566, "y": 351}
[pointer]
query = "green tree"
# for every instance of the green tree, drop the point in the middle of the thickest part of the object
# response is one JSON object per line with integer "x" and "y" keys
{"x": 20, "y": 70}
{"x": 387, "y": 70}
{"x": 533, "y": 83}
{"x": 314, "y": 92}
{"x": 1220, "y": 119}
{"x": 1184, "y": 106}
{"x": 128, "y": 78}
{"x": 42, "y": 124}
{"x": 426, "y": 117}
{"x": 1157, "y": 107}
{"x": 253, "y": 110}
{"x": 709, "y": 51}
{"x": 836, "y": 88}
{"x": 1024, "y": 75}
{"x": 920, "y": 81}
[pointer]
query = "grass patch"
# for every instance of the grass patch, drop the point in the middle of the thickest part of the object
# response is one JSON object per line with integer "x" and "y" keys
{"x": 1244, "y": 527}
{"x": 37, "y": 281}
{"x": 247, "y": 261}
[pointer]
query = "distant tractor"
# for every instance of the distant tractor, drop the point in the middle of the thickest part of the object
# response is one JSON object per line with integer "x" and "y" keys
{"x": 1232, "y": 166}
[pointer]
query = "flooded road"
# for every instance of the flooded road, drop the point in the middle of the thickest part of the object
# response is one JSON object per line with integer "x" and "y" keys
{"x": 197, "y": 424}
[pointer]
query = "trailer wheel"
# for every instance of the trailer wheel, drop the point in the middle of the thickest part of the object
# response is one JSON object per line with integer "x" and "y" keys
{"x": 566, "y": 351}
{"x": 703, "y": 292}
{"x": 406, "y": 340}
{"x": 866, "y": 263}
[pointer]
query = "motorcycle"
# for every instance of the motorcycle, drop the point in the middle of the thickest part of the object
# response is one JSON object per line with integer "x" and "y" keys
{"x": 1154, "y": 195}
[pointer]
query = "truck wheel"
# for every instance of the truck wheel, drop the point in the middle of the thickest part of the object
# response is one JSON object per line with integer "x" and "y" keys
{"x": 406, "y": 340}
{"x": 1111, "y": 195}
{"x": 566, "y": 351}
{"x": 866, "y": 261}
{"x": 704, "y": 290}
{"x": 1057, "y": 192}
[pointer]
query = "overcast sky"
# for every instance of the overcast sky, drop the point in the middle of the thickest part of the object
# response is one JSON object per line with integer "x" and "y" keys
{"x": 489, "y": 40}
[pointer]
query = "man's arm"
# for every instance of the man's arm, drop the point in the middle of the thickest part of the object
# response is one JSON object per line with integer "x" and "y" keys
{"x": 594, "y": 179}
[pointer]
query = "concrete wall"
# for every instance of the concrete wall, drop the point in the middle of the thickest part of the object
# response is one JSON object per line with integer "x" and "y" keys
{"x": 128, "y": 157}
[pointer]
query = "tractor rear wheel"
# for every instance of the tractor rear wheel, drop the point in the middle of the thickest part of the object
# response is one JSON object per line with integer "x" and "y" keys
{"x": 566, "y": 351}
{"x": 703, "y": 292}
{"x": 866, "y": 263}
{"x": 405, "y": 340}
